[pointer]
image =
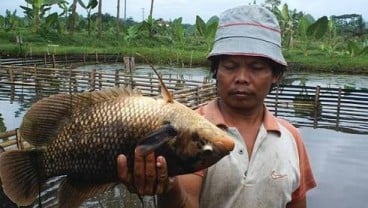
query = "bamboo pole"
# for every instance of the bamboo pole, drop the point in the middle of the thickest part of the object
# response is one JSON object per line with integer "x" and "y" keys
{"x": 117, "y": 78}
{"x": 96, "y": 57}
{"x": 338, "y": 108}
{"x": 92, "y": 77}
{"x": 45, "y": 60}
{"x": 66, "y": 59}
{"x": 316, "y": 106}
{"x": 100, "y": 81}
{"x": 18, "y": 139}
{"x": 12, "y": 84}
{"x": 53, "y": 60}
{"x": 7, "y": 134}
{"x": 151, "y": 84}
{"x": 70, "y": 81}
{"x": 36, "y": 81}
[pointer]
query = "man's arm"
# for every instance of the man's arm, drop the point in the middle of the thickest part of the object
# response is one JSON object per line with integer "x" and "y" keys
{"x": 184, "y": 193}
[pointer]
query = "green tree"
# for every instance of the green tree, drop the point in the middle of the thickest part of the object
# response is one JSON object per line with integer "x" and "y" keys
{"x": 289, "y": 21}
{"x": 309, "y": 31}
{"x": 131, "y": 34}
{"x": 2, "y": 124}
{"x": 89, "y": 7}
{"x": 73, "y": 16}
{"x": 349, "y": 25}
{"x": 37, "y": 12}
{"x": 333, "y": 42}
{"x": 2, "y": 22}
{"x": 149, "y": 25}
{"x": 10, "y": 21}
{"x": 206, "y": 31}
{"x": 274, "y": 4}
{"x": 356, "y": 49}
{"x": 178, "y": 32}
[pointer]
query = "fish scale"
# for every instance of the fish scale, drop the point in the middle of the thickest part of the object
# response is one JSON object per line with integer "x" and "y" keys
{"x": 112, "y": 138}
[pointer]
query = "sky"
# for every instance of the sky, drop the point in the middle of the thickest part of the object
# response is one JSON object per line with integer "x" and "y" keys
{"x": 188, "y": 9}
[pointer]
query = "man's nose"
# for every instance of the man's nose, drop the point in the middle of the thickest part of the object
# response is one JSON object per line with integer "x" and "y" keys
{"x": 243, "y": 75}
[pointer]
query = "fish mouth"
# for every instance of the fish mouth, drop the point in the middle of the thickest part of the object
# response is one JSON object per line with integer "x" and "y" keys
{"x": 225, "y": 144}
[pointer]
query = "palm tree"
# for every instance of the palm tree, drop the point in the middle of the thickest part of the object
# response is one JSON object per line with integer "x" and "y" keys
{"x": 125, "y": 10}
{"x": 151, "y": 10}
{"x": 73, "y": 16}
{"x": 99, "y": 21}
{"x": 118, "y": 19}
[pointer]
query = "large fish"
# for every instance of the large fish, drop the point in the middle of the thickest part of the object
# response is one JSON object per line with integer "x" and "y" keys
{"x": 81, "y": 135}
{"x": 5, "y": 202}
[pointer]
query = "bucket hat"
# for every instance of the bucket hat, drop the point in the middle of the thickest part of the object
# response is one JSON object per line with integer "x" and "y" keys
{"x": 250, "y": 30}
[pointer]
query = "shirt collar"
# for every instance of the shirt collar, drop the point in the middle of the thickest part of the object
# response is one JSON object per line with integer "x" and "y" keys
{"x": 212, "y": 113}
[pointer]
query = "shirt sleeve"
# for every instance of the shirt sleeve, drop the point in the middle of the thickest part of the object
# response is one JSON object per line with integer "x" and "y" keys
{"x": 200, "y": 173}
{"x": 307, "y": 180}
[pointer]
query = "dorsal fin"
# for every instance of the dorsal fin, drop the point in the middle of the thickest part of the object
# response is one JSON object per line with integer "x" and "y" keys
{"x": 43, "y": 120}
{"x": 164, "y": 91}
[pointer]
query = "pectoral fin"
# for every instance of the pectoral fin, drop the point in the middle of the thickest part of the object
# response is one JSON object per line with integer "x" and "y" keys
{"x": 156, "y": 139}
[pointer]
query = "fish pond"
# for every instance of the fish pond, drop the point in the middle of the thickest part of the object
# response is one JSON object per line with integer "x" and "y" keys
{"x": 339, "y": 159}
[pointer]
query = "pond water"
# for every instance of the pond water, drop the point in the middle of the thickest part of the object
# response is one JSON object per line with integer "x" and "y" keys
{"x": 340, "y": 166}
{"x": 339, "y": 160}
{"x": 345, "y": 81}
{"x": 197, "y": 73}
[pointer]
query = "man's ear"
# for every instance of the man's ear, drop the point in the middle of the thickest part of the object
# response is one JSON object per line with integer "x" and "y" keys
{"x": 214, "y": 74}
{"x": 276, "y": 78}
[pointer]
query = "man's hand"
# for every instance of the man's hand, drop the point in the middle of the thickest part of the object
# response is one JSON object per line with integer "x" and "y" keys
{"x": 150, "y": 175}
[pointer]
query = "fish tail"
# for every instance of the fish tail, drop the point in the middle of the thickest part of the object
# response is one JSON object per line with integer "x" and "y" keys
{"x": 20, "y": 175}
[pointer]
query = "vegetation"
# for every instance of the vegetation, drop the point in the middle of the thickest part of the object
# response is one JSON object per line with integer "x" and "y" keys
{"x": 308, "y": 43}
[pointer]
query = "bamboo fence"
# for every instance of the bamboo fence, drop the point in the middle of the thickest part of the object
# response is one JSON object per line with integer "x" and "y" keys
{"x": 52, "y": 60}
{"x": 318, "y": 107}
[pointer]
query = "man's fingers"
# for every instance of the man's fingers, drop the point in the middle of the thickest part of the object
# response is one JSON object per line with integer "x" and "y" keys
{"x": 150, "y": 170}
{"x": 162, "y": 175}
{"x": 150, "y": 175}
{"x": 123, "y": 173}
{"x": 139, "y": 171}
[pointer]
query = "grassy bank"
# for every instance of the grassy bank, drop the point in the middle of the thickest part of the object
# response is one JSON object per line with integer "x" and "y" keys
{"x": 165, "y": 52}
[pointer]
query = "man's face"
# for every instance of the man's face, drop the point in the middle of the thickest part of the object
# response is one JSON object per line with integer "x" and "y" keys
{"x": 244, "y": 81}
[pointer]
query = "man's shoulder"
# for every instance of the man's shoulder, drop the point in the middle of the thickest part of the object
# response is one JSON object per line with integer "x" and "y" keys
{"x": 207, "y": 108}
{"x": 211, "y": 112}
{"x": 285, "y": 123}
{"x": 292, "y": 130}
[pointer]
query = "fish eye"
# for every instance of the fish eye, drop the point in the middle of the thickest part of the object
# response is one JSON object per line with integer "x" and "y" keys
{"x": 207, "y": 149}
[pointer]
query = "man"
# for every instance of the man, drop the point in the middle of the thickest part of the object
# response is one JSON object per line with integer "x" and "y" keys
{"x": 269, "y": 166}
